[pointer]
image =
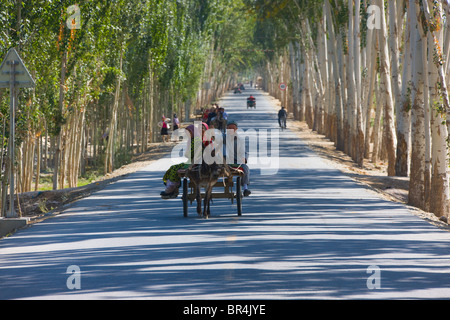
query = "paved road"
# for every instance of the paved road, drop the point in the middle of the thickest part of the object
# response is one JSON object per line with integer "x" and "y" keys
{"x": 307, "y": 232}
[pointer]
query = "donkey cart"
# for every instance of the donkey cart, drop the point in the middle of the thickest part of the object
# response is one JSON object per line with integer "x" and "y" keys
{"x": 251, "y": 104}
{"x": 231, "y": 190}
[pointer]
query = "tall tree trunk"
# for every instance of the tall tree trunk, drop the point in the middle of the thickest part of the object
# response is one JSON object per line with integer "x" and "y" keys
{"x": 404, "y": 105}
{"x": 439, "y": 57}
{"x": 372, "y": 75}
{"x": 57, "y": 155}
{"x": 376, "y": 126}
{"x": 416, "y": 184}
{"x": 386, "y": 91}
{"x": 109, "y": 156}
{"x": 337, "y": 113}
{"x": 439, "y": 196}
{"x": 343, "y": 93}
{"x": 359, "y": 133}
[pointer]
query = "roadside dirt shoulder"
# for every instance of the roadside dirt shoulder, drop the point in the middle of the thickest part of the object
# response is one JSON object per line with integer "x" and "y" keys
{"x": 39, "y": 204}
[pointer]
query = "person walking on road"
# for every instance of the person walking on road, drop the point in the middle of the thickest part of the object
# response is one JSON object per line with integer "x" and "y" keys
{"x": 282, "y": 115}
{"x": 164, "y": 129}
{"x": 176, "y": 122}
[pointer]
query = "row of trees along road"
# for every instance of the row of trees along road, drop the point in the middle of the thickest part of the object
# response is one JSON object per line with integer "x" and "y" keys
{"x": 371, "y": 75}
{"x": 101, "y": 89}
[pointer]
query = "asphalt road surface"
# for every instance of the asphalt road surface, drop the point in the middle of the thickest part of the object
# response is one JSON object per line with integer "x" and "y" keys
{"x": 307, "y": 232}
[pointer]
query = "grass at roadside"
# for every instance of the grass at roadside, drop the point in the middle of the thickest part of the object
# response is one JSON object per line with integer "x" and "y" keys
{"x": 46, "y": 180}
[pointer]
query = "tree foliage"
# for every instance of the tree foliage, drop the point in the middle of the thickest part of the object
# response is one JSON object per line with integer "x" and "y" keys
{"x": 135, "y": 60}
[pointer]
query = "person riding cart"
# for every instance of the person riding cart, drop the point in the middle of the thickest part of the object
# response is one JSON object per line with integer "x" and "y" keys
{"x": 235, "y": 154}
{"x": 171, "y": 179}
{"x": 251, "y": 102}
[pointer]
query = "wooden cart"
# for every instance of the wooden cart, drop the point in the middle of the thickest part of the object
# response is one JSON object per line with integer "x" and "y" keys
{"x": 231, "y": 190}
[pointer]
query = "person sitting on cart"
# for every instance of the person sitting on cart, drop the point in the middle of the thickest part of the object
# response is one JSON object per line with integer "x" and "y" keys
{"x": 171, "y": 178}
{"x": 223, "y": 113}
{"x": 238, "y": 151}
{"x": 205, "y": 115}
{"x": 220, "y": 120}
{"x": 251, "y": 101}
{"x": 211, "y": 115}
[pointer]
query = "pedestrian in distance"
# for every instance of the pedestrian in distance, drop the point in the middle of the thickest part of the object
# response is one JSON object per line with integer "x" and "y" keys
{"x": 164, "y": 129}
{"x": 176, "y": 122}
{"x": 282, "y": 115}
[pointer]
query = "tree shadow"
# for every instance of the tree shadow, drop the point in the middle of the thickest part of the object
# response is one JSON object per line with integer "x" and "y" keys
{"x": 130, "y": 244}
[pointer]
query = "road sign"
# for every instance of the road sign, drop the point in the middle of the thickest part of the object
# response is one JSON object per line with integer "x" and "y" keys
{"x": 22, "y": 77}
{"x": 282, "y": 86}
{"x": 13, "y": 75}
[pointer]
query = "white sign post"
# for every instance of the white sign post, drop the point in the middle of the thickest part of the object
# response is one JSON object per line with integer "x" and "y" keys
{"x": 13, "y": 75}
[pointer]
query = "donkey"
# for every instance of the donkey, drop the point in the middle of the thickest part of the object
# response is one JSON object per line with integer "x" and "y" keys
{"x": 204, "y": 175}
{"x": 220, "y": 122}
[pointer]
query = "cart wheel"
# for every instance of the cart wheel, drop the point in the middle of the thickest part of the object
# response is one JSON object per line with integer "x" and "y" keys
{"x": 185, "y": 197}
{"x": 238, "y": 196}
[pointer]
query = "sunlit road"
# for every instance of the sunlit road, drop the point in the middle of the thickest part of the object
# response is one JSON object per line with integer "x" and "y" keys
{"x": 307, "y": 231}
